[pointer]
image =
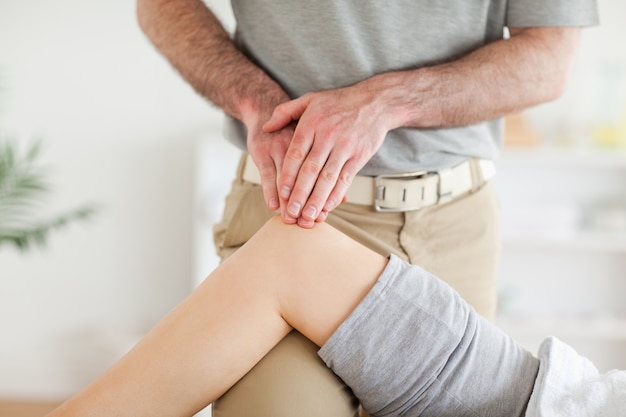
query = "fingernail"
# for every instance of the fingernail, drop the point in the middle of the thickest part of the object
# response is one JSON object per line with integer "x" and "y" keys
{"x": 310, "y": 212}
{"x": 307, "y": 224}
{"x": 285, "y": 192}
{"x": 273, "y": 203}
{"x": 294, "y": 209}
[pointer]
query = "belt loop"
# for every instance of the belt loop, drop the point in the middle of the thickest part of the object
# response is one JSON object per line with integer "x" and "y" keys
{"x": 477, "y": 174}
{"x": 445, "y": 189}
{"x": 244, "y": 162}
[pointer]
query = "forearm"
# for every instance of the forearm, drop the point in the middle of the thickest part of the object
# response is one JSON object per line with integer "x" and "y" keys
{"x": 194, "y": 41}
{"x": 339, "y": 130}
{"x": 498, "y": 79}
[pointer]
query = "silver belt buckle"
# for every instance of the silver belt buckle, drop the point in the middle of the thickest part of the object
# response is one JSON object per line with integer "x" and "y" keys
{"x": 380, "y": 189}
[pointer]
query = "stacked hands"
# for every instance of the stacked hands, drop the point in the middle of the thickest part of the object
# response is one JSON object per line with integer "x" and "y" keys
{"x": 311, "y": 148}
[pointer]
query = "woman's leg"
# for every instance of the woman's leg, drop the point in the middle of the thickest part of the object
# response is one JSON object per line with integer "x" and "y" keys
{"x": 291, "y": 379}
{"x": 284, "y": 277}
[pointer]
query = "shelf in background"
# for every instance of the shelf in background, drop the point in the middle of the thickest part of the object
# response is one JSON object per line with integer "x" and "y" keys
{"x": 595, "y": 241}
{"x": 564, "y": 210}
{"x": 598, "y": 329}
{"x": 565, "y": 157}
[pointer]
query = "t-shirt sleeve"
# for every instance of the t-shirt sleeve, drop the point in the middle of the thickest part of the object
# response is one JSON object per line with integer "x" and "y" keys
{"x": 536, "y": 13}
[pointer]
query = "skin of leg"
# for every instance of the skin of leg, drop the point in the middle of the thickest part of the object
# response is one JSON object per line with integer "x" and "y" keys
{"x": 291, "y": 379}
{"x": 442, "y": 239}
{"x": 285, "y": 277}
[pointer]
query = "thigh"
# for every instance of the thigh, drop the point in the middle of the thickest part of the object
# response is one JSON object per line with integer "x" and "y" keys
{"x": 291, "y": 380}
{"x": 459, "y": 242}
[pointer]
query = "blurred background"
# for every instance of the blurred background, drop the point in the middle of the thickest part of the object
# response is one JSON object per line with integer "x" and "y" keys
{"x": 120, "y": 130}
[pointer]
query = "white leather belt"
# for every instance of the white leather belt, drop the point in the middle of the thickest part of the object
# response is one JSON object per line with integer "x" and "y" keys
{"x": 408, "y": 191}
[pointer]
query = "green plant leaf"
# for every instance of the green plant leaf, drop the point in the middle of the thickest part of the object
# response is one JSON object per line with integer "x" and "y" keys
{"x": 24, "y": 237}
{"x": 22, "y": 192}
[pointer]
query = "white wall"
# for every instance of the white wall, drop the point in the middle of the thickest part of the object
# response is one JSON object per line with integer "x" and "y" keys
{"x": 120, "y": 129}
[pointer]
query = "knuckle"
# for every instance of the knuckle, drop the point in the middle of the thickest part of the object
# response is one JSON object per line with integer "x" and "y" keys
{"x": 344, "y": 179}
{"x": 311, "y": 167}
{"x": 286, "y": 180}
{"x": 295, "y": 154}
{"x": 267, "y": 171}
{"x": 328, "y": 175}
{"x": 300, "y": 137}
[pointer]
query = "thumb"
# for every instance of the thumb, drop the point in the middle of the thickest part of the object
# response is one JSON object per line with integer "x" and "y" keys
{"x": 285, "y": 113}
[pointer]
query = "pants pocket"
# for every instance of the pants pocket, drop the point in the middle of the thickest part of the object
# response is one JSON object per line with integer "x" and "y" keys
{"x": 244, "y": 213}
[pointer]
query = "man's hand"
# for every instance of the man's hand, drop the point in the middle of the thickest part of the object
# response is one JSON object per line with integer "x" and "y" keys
{"x": 337, "y": 132}
{"x": 268, "y": 150}
{"x": 197, "y": 45}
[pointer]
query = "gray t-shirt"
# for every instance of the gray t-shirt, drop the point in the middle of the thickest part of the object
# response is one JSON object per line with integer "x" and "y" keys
{"x": 311, "y": 45}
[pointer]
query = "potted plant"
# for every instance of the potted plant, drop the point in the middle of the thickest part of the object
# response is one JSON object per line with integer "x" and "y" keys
{"x": 22, "y": 188}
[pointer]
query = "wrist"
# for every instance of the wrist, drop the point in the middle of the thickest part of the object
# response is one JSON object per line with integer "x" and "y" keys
{"x": 256, "y": 108}
{"x": 394, "y": 94}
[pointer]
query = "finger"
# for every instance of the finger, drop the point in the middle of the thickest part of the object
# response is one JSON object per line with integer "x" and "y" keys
{"x": 292, "y": 164}
{"x": 305, "y": 224}
{"x": 306, "y": 180}
{"x": 285, "y": 113}
{"x": 324, "y": 214}
{"x": 344, "y": 180}
{"x": 325, "y": 183}
{"x": 322, "y": 217}
{"x": 287, "y": 218}
{"x": 268, "y": 173}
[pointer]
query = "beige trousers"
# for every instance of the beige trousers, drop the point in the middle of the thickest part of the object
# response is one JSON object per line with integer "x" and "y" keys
{"x": 458, "y": 241}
